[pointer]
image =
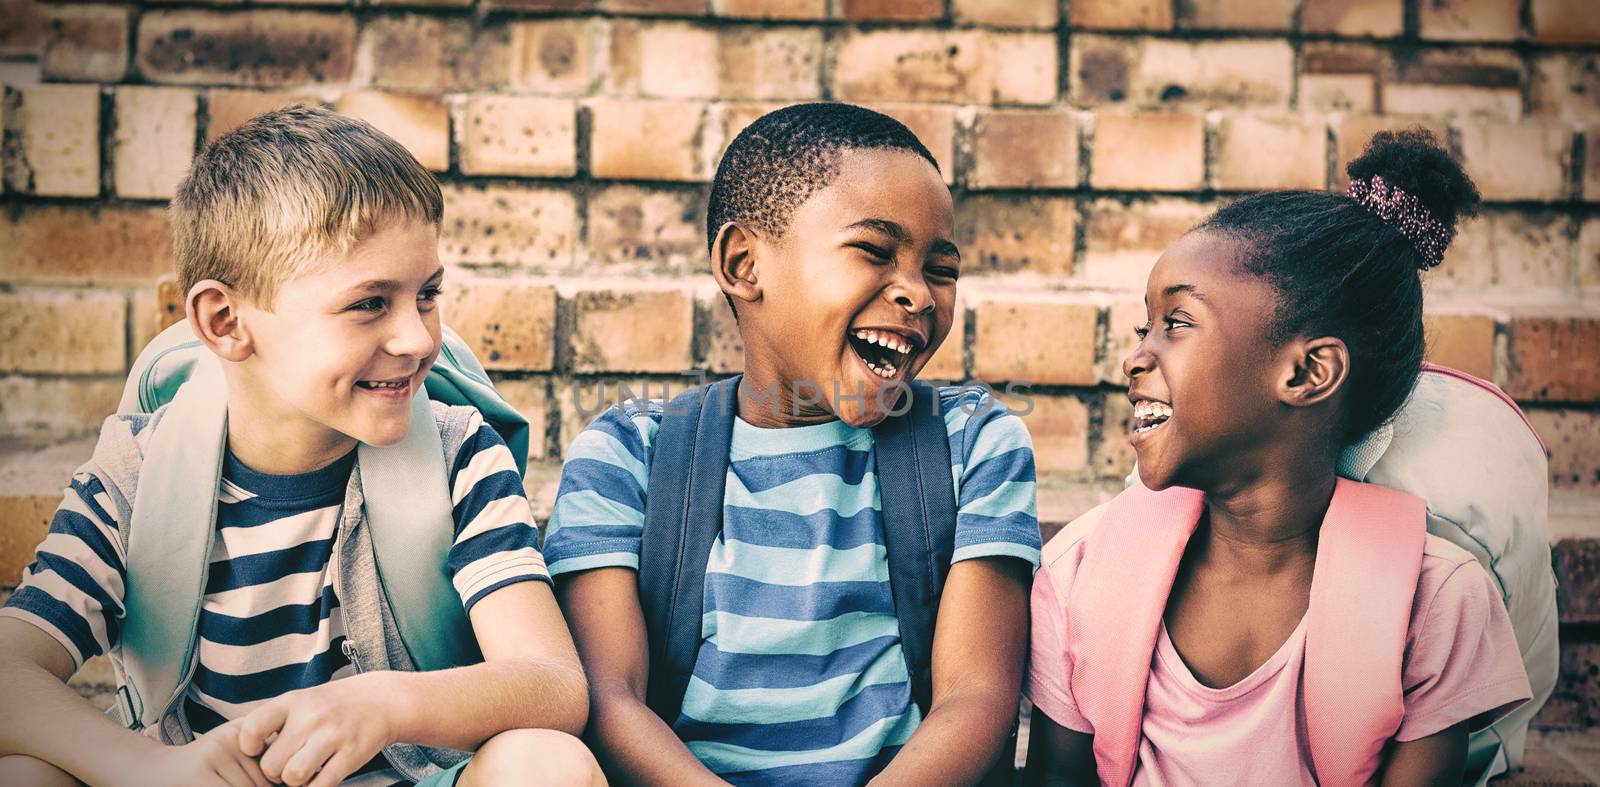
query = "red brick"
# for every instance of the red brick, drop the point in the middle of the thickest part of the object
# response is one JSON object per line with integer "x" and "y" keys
{"x": 1553, "y": 359}
{"x": 1006, "y": 13}
{"x": 1149, "y": 72}
{"x": 768, "y": 63}
{"x": 500, "y": 4}
{"x": 1122, "y": 318}
{"x": 554, "y": 55}
{"x": 1565, "y": 21}
{"x": 1517, "y": 161}
{"x": 962, "y": 66}
{"x": 508, "y": 225}
{"x": 1461, "y": 341}
{"x": 1154, "y": 151}
{"x": 154, "y": 140}
{"x": 69, "y": 244}
{"x": 26, "y": 520}
{"x": 63, "y": 332}
{"x": 1514, "y": 250}
{"x": 631, "y": 329}
{"x": 418, "y": 52}
{"x": 1577, "y": 560}
{"x": 1059, "y": 426}
{"x": 1023, "y": 148}
{"x": 1589, "y": 256}
{"x": 1121, "y": 14}
{"x": 891, "y": 10}
{"x": 934, "y": 126}
{"x": 1565, "y": 85}
{"x": 419, "y": 122}
{"x": 86, "y": 43}
{"x": 654, "y": 7}
{"x": 720, "y": 347}
{"x": 246, "y": 47}
{"x": 1338, "y": 92}
{"x": 227, "y": 110}
{"x": 1573, "y": 437}
{"x": 509, "y": 325}
{"x": 1124, "y": 238}
{"x": 1022, "y": 234}
{"x": 52, "y": 408}
{"x": 26, "y": 28}
{"x": 771, "y": 9}
{"x": 647, "y": 230}
{"x": 1471, "y": 20}
{"x": 168, "y": 306}
{"x": 1239, "y": 14}
{"x": 521, "y": 5}
{"x": 1352, "y": 133}
{"x": 1038, "y": 339}
{"x": 54, "y": 140}
{"x": 650, "y": 140}
{"x": 518, "y": 135}
{"x": 1376, "y": 18}
{"x": 1280, "y": 151}
{"x": 1113, "y": 454}
{"x": 662, "y": 60}
{"x": 1460, "y": 81}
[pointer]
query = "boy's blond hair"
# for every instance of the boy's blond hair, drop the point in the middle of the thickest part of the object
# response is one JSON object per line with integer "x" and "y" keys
{"x": 287, "y": 187}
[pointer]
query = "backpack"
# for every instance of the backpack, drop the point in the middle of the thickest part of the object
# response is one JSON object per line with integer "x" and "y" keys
{"x": 405, "y": 488}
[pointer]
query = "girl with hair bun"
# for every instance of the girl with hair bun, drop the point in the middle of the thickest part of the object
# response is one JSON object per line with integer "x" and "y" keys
{"x": 1242, "y": 615}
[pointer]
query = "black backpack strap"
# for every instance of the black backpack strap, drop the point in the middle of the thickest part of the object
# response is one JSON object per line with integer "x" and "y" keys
{"x": 683, "y": 514}
{"x": 919, "y": 524}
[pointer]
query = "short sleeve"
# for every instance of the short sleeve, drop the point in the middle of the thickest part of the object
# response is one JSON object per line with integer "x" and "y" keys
{"x": 598, "y": 516}
{"x": 1463, "y": 663}
{"x": 73, "y": 590}
{"x": 496, "y": 543}
{"x": 1049, "y": 683}
{"x": 995, "y": 482}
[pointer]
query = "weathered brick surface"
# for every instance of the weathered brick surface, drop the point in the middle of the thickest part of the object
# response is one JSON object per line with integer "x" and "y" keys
{"x": 49, "y": 408}
{"x": 1338, "y": 92}
{"x": 54, "y": 138}
{"x": 662, "y": 60}
{"x": 1577, "y": 565}
{"x": 1256, "y": 152}
{"x": 86, "y": 43}
{"x": 1553, "y": 358}
{"x": 1123, "y": 239}
{"x": 891, "y": 10}
{"x": 1148, "y": 72}
{"x": 154, "y": 140}
{"x": 1517, "y": 161}
{"x": 246, "y": 48}
{"x": 509, "y": 325}
{"x": 84, "y": 244}
{"x": 680, "y": 7}
{"x": 27, "y": 519}
{"x": 1577, "y": 693}
{"x": 1466, "y": 81}
{"x": 62, "y": 332}
{"x": 1517, "y": 251}
{"x": 531, "y": 397}
{"x": 227, "y": 110}
{"x": 1121, "y": 14}
{"x": 1471, "y": 20}
{"x": 651, "y": 230}
{"x": 1005, "y": 13}
{"x": 1039, "y": 340}
{"x": 1122, "y": 318}
{"x": 419, "y": 122}
{"x": 949, "y": 361}
{"x": 1003, "y": 234}
{"x": 27, "y": 26}
{"x": 1059, "y": 426}
{"x": 1565, "y": 85}
{"x": 934, "y": 126}
{"x": 508, "y": 225}
{"x": 556, "y": 56}
{"x": 720, "y": 349}
{"x": 1589, "y": 256}
{"x": 649, "y": 140}
{"x": 1156, "y": 151}
{"x": 1352, "y": 133}
{"x": 518, "y": 135}
{"x": 1564, "y": 21}
{"x": 1113, "y": 454}
{"x": 419, "y": 52}
{"x": 1573, "y": 437}
{"x": 1239, "y": 14}
{"x": 770, "y": 64}
{"x": 1461, "y": 341}
{"x": 1377, "y": 18}
{"x": 1023, "y": 148}
{"x": 771, "y": 9}
{"x": 963, "y": 66}
{"x": 627, "y": 329}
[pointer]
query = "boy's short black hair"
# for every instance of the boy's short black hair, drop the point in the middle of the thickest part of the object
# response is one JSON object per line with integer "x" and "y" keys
{"x": 787, "y": 155}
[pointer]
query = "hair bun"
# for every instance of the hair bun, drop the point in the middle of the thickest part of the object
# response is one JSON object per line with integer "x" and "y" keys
{"x": 1412, "y": 162}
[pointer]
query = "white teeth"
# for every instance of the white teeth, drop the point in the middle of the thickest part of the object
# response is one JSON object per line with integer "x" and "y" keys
{"x": 883, "y": 339}
{"x": 1148, "y": 415}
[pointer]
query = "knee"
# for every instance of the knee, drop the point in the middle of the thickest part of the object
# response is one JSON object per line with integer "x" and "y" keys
{"x": 534, "y": 757}
{"x": 22, "y": 769}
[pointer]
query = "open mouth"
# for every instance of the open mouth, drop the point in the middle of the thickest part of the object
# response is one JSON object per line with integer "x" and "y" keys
{"x": 885, "y": 353}
{"x": 1149, "y": 415}
{"x": 390, "y": 387}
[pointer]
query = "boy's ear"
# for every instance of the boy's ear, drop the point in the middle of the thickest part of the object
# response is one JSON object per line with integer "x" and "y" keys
{"x": 733, "y": 263}
{"x": 213, "y": 312}
{"x": 1316, "y": 370}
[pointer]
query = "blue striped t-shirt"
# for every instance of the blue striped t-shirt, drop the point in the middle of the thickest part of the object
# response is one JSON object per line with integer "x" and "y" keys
{"x": 800, "y": 677}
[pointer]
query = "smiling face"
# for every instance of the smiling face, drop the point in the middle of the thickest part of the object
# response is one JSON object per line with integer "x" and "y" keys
{"x": 347, "y": 343}
{"x": 858, "y": 291}
{"x": 1204, "y": 377}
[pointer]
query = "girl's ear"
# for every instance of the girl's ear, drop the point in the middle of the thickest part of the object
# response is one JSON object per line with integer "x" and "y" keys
{"x": 212, "y": 309}
{"x": 733, "y": 263}
{"x": 1318, "y": 370}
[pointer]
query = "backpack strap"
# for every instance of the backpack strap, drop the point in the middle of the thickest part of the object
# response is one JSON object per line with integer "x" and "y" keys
{"x": 405, "y": 489}
{"x": 683, "y": 515}
{"x": 168, "y": 547}
{"x": 919, "y": 525}
{"x": 1369, "y": 556}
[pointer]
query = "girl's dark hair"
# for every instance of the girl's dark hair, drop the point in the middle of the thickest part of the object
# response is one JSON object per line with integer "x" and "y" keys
{"x": 1344, "y": 272}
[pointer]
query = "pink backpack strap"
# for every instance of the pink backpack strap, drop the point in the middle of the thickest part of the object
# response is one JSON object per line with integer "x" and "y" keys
{"x": 1114, "y": 614}
{"x": 1369, "y": 556}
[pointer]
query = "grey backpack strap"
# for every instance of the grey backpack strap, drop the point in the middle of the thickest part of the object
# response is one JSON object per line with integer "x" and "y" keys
{"x": 683, "y": 515}
{"x": 169, "y": 547}
{"x": 405, "y": 489}
{"x": 919, "y": 525}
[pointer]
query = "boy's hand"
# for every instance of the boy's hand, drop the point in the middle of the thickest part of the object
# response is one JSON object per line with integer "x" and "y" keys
{"x": 211, "y": 759}
{"x": 319, "y": 735}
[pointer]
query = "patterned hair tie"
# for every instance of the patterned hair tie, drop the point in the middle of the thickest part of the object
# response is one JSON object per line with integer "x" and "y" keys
{"x": 1403, "y": 211}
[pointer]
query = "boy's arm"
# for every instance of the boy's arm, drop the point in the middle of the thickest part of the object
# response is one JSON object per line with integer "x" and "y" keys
{"x": 1058, "y": 756}
{"x": 1440, "y": 758}
{"x": 633, "y": 743}
{"x": 979, "y": 645}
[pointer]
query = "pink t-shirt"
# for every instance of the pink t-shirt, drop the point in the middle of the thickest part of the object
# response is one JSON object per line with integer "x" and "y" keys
{"x": 1461, "y": 664}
